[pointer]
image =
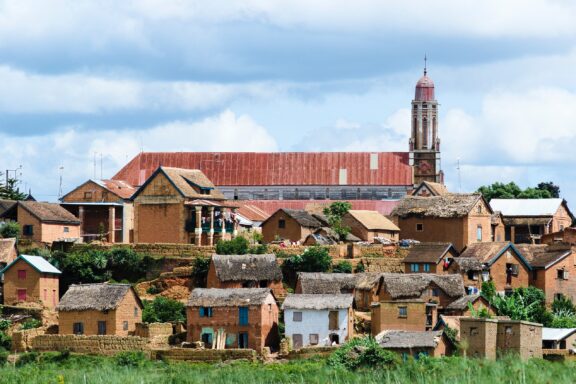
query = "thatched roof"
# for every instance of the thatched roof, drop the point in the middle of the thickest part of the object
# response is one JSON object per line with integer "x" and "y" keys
{"x": 413, "y": 285}
{"x": 466, "y": 264}
{"x": 429, "y": 252}
{"x": 326, "y": 283}
{"x": 367, "y": 281}
{"x": 7, "y": 250}
{"x": 544, "y": 256}
{"x": 373, "y": 220}
{"x": 409, "y": 339}
{"x": 246, "y": 267}
{"x": 50, "y": 213}
{"x": 335, "y": 301}
{"x": 97, "y": 297}
{"x": 445, "y": 206}
{"x": 231, "y": 297}
{"x": 462, "y": 303}
{"x": 304, "y": 218}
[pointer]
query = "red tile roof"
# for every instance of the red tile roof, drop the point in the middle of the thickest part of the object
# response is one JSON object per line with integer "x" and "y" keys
{"x": 119, "y": 187}
{"x": 271, "y": 206}
{"x": 278, "y": 168}
{"x": 252, "y": 212}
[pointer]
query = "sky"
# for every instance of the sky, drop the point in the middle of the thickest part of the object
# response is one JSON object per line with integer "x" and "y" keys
{"x": 82, "y": 80}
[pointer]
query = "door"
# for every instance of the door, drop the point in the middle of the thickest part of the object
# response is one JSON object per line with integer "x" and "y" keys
{"x": 101, "y": 327}
{"x": 296, "y": 341}
{"x": 333, "y": 320}
{"x": 243, "y": 340}
{"x": 21, "y": 294}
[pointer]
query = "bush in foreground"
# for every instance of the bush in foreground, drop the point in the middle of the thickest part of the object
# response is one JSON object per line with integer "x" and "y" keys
{"x": 362, "y": 353}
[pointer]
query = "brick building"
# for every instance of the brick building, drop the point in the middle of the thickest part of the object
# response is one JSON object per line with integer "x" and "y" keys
{"x": 290, "y": 224}
{"x": 461, "y": 307}
{"x": 501, "y": 262}
{"x": 368, "y": 225}
{"x": 489, "y": 338}
{"x": 406, "y": 315}
{"x": 429, "y": 258}
{"x": 31, "y": 279}
{"x": 181, "y": 206}
{"x": 44, "y": 222}
{"x": 321, "y": 320}
{"x": 239, "y": 317}
{"x": 553, "y": 269}
{"x": 245, "y": 271}
{"x": 104, "y": 209}
{"x": 99, "y": 309}
{"x": 415, "y": 344}
{"x": 460, "y": 219}
{"x": 527, "y": 220}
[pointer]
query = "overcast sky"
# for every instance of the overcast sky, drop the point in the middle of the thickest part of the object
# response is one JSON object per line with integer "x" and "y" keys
{"x": 110, "y": 78}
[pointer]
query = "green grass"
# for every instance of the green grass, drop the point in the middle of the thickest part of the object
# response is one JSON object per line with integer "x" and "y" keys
{"x": 90, "y": 370}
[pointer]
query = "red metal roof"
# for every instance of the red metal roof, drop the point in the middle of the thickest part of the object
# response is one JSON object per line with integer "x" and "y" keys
{"x": 424, "y": 89}
{"x": 278, "y": 168}
{"x": 271, "y": 206}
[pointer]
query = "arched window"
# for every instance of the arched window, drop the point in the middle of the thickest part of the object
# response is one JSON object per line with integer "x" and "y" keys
{"x": 424, "y": 133}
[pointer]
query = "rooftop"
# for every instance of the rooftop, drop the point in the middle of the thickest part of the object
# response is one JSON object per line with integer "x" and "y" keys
{"x": 373, "y": 220}
{"x": 556, "y": 334}
{"x": 247, "y": 267}
{"x": 526, "y": 207}
{"x": 409, "y": 339}
{"x": 50, "y": 213}
{"x": 39, "y": 263}
{"x": 429, "y": 252}
{"x": 445, "y": 206}
{"x": 303, "y": 301}
{"x": 215, "y": 297}
{"x": 413, "y": 285}
{"x": 97, "y": 297}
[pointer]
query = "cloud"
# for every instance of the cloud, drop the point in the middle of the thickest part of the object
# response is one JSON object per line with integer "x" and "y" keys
{"x": 76, "y": 149}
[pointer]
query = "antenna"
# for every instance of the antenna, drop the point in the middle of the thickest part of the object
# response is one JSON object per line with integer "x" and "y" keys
{"x": 101, "y": 166}
{"x": 94, "y": 165}
{"x": 459, "y": 176}
{"x": 61, "y": 171}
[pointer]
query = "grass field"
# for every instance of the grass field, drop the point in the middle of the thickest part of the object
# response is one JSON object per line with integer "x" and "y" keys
{"x": 89, "y": 370}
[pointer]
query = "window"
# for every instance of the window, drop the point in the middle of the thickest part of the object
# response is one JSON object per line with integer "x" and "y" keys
{"x": 512, "y": 269}
{"x": 535, "y": 275}
{"x": 479, "y": 209}
{"x": 21, "y": 294}
{"x": 472, "y": 275}
{"x": 419, "y": 227}
{"x": 426, "y": 267}
{"x": 558, "y": 296}
{"x": 281, "y": 223}
{"x": 435, "y": 292}
{"x": 66, "y": 229}
{"x": 473, "y": 331}
{"x": 313, "y": 339}
{"x": 21, "y": 274}
{"x": 87, "y": 195}
{"x": 508, "y": 330}
{"x": 28, "y": 230}
{"x": 135, "y": 311}
{"x": 297, "y": 316}
{"x": 125, "y": 325}
{"x": 243, "y": 315}
{"x": 101, "y": 327}
{"x": 45, "y": 294}
{"x": 78, "y": 328}
{"x": 561, "y": 227}
{"x": 104, "y": 195}
{"x": 402, "y": 311}
{"x": 205, "y": 311}
{"x": 333, "y": 322}
{"x": 414, "y": 267}
{"x": 562, "y": 274}
{"x": 479, "y": 233}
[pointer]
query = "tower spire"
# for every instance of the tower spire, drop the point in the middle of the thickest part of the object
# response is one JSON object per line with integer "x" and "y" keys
{"x": 425, "y": 60}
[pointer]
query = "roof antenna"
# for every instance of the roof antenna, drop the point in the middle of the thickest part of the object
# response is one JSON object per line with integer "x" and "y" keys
{"x": 459, "y": 177}
{"x": 425, "y": 59}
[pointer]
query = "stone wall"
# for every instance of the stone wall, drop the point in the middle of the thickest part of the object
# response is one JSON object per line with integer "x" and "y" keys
{"x": 390, "y": 265}
{"x": 22, "y": 340}
{"x": 98, "y": 345}
{"x": 335, "y": 251}
{"x": 204, "y": 355}
{"x": 158, "y": 249}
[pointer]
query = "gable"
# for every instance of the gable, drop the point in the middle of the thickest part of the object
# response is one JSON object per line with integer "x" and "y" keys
{"x": 90, "y": 191}
{"x": 158, "y": 185}
{"x": 510, "y": 253}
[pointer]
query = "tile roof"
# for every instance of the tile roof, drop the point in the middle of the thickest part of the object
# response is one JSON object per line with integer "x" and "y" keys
{"x": 484, "y": 252}
{"x": 462, "y": 303}
{"x": 373, "y": 220}
{"x": 50, "y": 213}
{"x": 543, "y": 256}
{"x": 120, "y": 188}
{"x": 247, "y": 267}
{"x": 279, "y": 168}
{"x": 409, "y": 339}
{"x": 429, "y": 252}
{"x": 5, "y": 205}
{"x": 215, "y": 297}
{"x": 37, "y": 262}
{"x": 188, "y": 182}
{"x": 98, "y": 297}
{"x": 271, "y": 206}
{"x": 526, "y": 207}
{"x": 322, "y": 301}
{"x": 446, "y": 206}
{"x": 436, "y": 189}
{"x": 252, "y": 212}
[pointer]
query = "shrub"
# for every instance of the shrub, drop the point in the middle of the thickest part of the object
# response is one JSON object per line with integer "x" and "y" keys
{"x": 200, "y": 267}
{"x": 362, "y": 353}
{"x": 5, "y": 341}
{"x": 360, "y": 268}
{"x": 130, "y": 359}
{"x": 9, "y": 230}
{"x": 488, "y": 290}
{"x": 163, "y": 310}
{"x": 153, "y": 290}
{"x": 259, "y": 249}
{"x": 563, "y": 304}
{"x": 54, "y": 357}
{"x": 27, "y": 358}
{"x": 342, "y": 267}
{"x": 30, "y": 324}
{"x": 5, "y": 324}
{"x": 4, "y": 357}
{"x": 315, "y": 259}
{"x": 237, "y": 246}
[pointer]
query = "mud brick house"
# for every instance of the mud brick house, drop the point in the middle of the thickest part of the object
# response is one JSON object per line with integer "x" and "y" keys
{"x": 245, "y": 271}
{"x": 429, "y": 258}
{"x": 104, "y": 209}
{"x": 553, "y": 269}
{"x": 489, "y": 338}
{"x": 290, "y": 224}
{"x": 413, "y": 301}
{"x": 428, "y": 188}
{"x": 461, "y": 307}
{"x": 45, "y": 222}
{"x": 368, "y": 225}
{"x": 31, "y": 279}
{"x": 527, "y": 220}
{"x": 460, "y": 219}
{"x": 99, "y": 309}
{"x": 558, "y": 338}
{"x": 181, "y": 206}
{"x": 241, "y": 317}
{"x": 322, "y": 320}
{"x": 415, "y": 344}
{"x": 502, "y": 262}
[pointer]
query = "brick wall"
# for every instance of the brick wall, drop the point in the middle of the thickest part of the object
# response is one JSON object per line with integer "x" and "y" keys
{"x": 480, "y": 335}
{"x": 153, "y": 330}
{"x": 548, "y": 281}
{"x": 292, "y": 230}
{"x": 388, "y": 316}
{"x": 98, "y": 194}
{"x": 205, "y": 355}
{"x": 35, "y": 285}
{"x": 561, "y": 220}
{"x": 498, "y": 272}
{"x": 22, "y": 340}
{"x": 100, "y": 345}
{"x": 519, "y": 337}
{"x": 162, "y": 223}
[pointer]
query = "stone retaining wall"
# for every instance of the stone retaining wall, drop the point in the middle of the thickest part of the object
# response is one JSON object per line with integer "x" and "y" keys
{"x": 98, "y": 345}
{"x": 22, "y": 340}
{"x": 377, "y": 264}
{"x": 335, "y": 251}
{"x": 204, "y": 355}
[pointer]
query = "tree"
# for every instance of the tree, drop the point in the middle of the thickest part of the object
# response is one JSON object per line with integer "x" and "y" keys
{"x": 523, "y": 304}
{"x": 549, "y": 186}
{"x": 315, "y": 259}
{"x": 9, "y": 230}
{"x": 200, "y": 267}
{"x": 334, "y": 213}
{"x": 488, "y": 290}
{"x": 163, "y": 310}
{"x": 544, "y": 190}
{"x": 9, "y": 189}
{"x": 342, "y": 267}
{"x": 237, "y": 246}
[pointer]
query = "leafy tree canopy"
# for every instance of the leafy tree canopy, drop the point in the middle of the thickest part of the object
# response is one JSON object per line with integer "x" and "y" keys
{"x": 9, "y": 230}
{"x": 334, "y": 213}
{"x": 512, "y": 191}
{"x": 163, "y": 310}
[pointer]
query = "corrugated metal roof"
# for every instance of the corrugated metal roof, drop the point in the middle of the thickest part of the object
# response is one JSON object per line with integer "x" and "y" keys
{"x": 526, "y": 207}
{"x": 279, "y": 168}
{"x": 271, "y": 206}
{"x": 556, "y": 333}
{"x": 37, "y": 262}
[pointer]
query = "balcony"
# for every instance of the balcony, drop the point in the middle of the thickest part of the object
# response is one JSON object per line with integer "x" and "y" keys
{"x": 190, "y": 226}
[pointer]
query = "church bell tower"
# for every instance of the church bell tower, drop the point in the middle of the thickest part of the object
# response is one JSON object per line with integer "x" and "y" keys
{"x": 424, "y": 141}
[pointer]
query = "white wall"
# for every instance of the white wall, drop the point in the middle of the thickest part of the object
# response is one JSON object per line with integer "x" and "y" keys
{"x": 315, "y": 321}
